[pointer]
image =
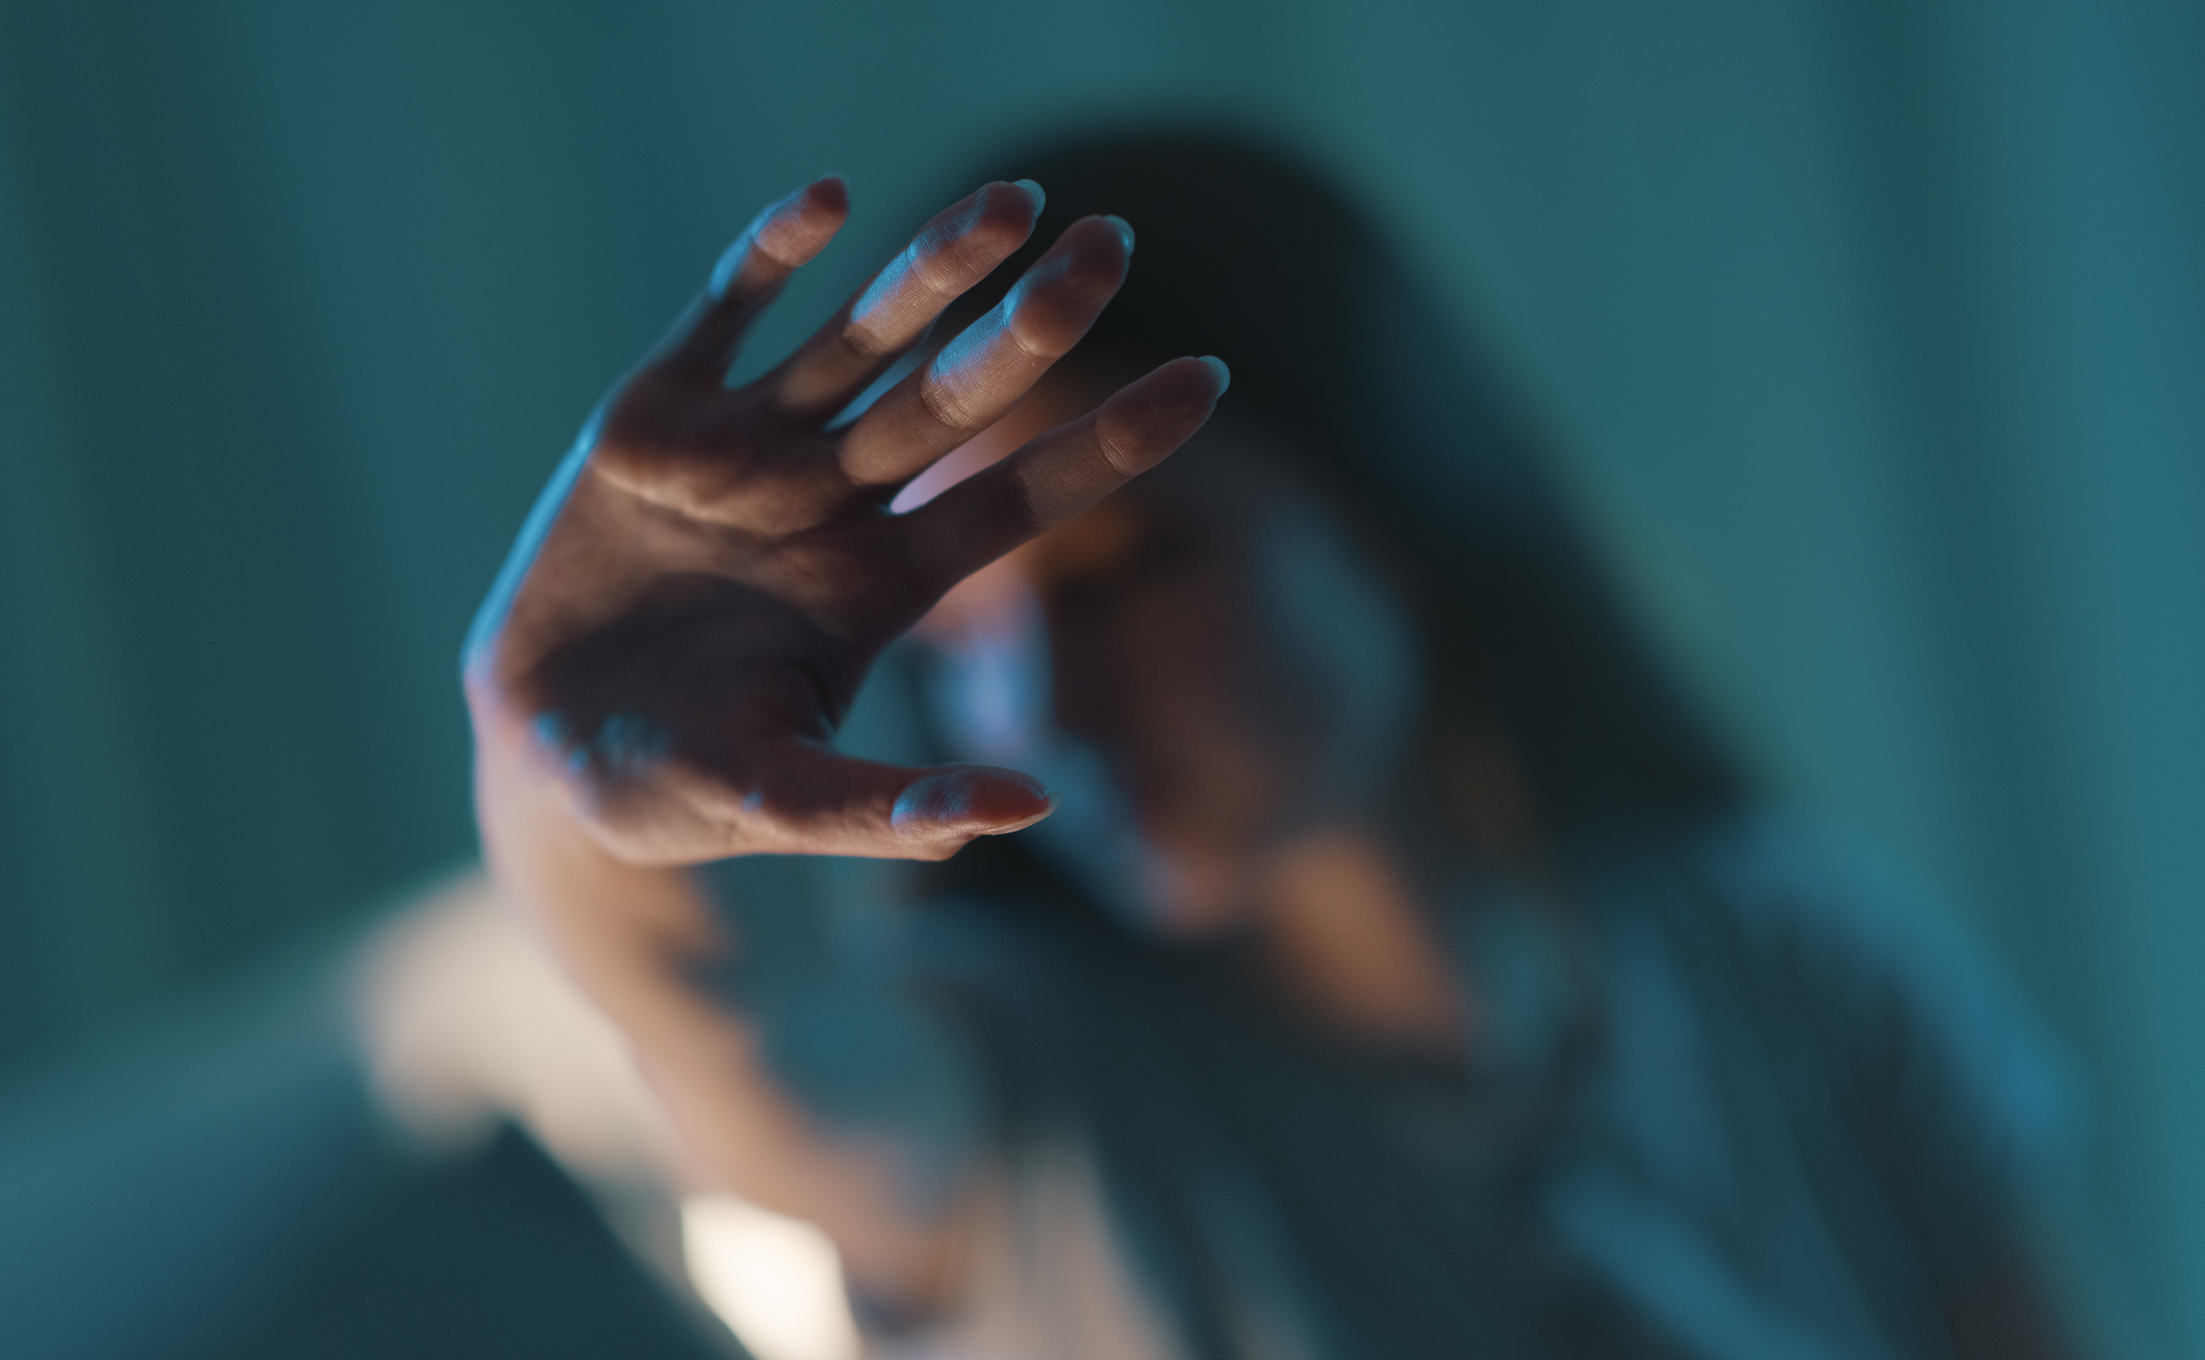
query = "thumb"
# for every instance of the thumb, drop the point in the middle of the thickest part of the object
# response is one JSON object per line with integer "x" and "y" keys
{"x": 970, "y": 800}
{"x": 816, "y": 801}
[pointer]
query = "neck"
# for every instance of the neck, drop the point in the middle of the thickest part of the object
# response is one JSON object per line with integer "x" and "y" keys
{"x": 1343, "y": 937}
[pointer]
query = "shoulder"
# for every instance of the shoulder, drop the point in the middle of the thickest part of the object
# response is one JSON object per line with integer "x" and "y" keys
{"x": 1784, "y": 876}
{"x": 1826, "y": 910}
{"x": 1913, "y": 1017}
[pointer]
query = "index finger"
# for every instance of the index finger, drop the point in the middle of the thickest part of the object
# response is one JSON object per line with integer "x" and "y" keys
{"x": 779, "y": 241}
{"x": 985, "y": 369}
{"x": 893, "y": 311}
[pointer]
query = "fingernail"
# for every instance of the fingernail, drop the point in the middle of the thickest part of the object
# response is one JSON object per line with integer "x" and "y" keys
{"x": 1034, "y": 192}
{"x": 961, "y": 797}
{"x": 934, "y": 800}
{"x": 1125, "y": 231}
{"x": 1055, "y": 802}
{"x": 1224, "y": 374}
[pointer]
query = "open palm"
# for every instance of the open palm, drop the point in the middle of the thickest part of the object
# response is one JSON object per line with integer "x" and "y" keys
{"x": 702, "y": 588}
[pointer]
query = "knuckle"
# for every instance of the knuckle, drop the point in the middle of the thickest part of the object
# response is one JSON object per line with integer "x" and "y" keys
{"x": 776, "y": 241}
{"x": 948, "y": 407}
{"x": 1087, "y": 288}
{"x": 953, "y": 257}
{"x": 934, "y": 270}
{"x": 792, "y": 231}
{"x": 1119, "y": 447}
{"x": 762, "y": 253}
{"x": 862, "y": 336}
{"x": 1068, "y": 298}
{"x": 1020, "y": 501}
{"x": 1025, "y": 335}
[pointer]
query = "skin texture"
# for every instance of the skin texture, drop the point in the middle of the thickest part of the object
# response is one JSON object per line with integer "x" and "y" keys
{"x": 657, "y": 673}
{"x": 656, "y": 678}
{"x": 704, "y": 586}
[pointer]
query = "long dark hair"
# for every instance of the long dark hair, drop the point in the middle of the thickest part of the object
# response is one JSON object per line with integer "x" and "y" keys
{"x": 1389, "y": 412}
{"x": 1186, "y": 1085}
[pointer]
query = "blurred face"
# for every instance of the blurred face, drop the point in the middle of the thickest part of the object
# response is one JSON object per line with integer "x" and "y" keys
{"x": 1202, "y": 666}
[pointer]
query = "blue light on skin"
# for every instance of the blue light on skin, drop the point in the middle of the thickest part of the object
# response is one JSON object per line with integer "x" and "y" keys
{"x": 863, "y": 311}
{"x": 625, "y": 745}
{"x": 959, "y": 367}
{"x": 868, "y": 313}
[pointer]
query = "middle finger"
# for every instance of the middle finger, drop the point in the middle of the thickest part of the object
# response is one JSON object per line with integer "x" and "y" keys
{"x": 961, "y": 246}
{"x": 981, "y": 374}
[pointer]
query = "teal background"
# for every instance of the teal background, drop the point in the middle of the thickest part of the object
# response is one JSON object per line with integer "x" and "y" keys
{"x": 1875, "y": 333}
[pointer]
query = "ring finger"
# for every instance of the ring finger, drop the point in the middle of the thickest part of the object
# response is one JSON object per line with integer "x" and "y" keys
{"x": 891, "y": 313}
{"x": 978, "y": 376}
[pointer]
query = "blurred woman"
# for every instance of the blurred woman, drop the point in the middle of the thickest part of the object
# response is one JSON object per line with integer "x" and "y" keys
{"x": 1394, "y": 965}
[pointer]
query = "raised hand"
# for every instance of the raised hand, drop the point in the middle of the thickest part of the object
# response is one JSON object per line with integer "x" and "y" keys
{"x": 701, "y": 589}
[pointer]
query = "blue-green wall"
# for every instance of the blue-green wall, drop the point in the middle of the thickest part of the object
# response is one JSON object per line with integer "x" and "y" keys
{"x": 1877, "y": 331}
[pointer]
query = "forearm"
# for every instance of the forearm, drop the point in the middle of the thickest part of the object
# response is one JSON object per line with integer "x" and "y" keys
{"x": 637, "y": 940}
{"x": 694, "y": 604}
{"x": 626, "y": 933}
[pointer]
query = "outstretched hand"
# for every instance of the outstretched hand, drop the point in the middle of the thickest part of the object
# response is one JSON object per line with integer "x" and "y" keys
{"x": 702, "y": 588}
